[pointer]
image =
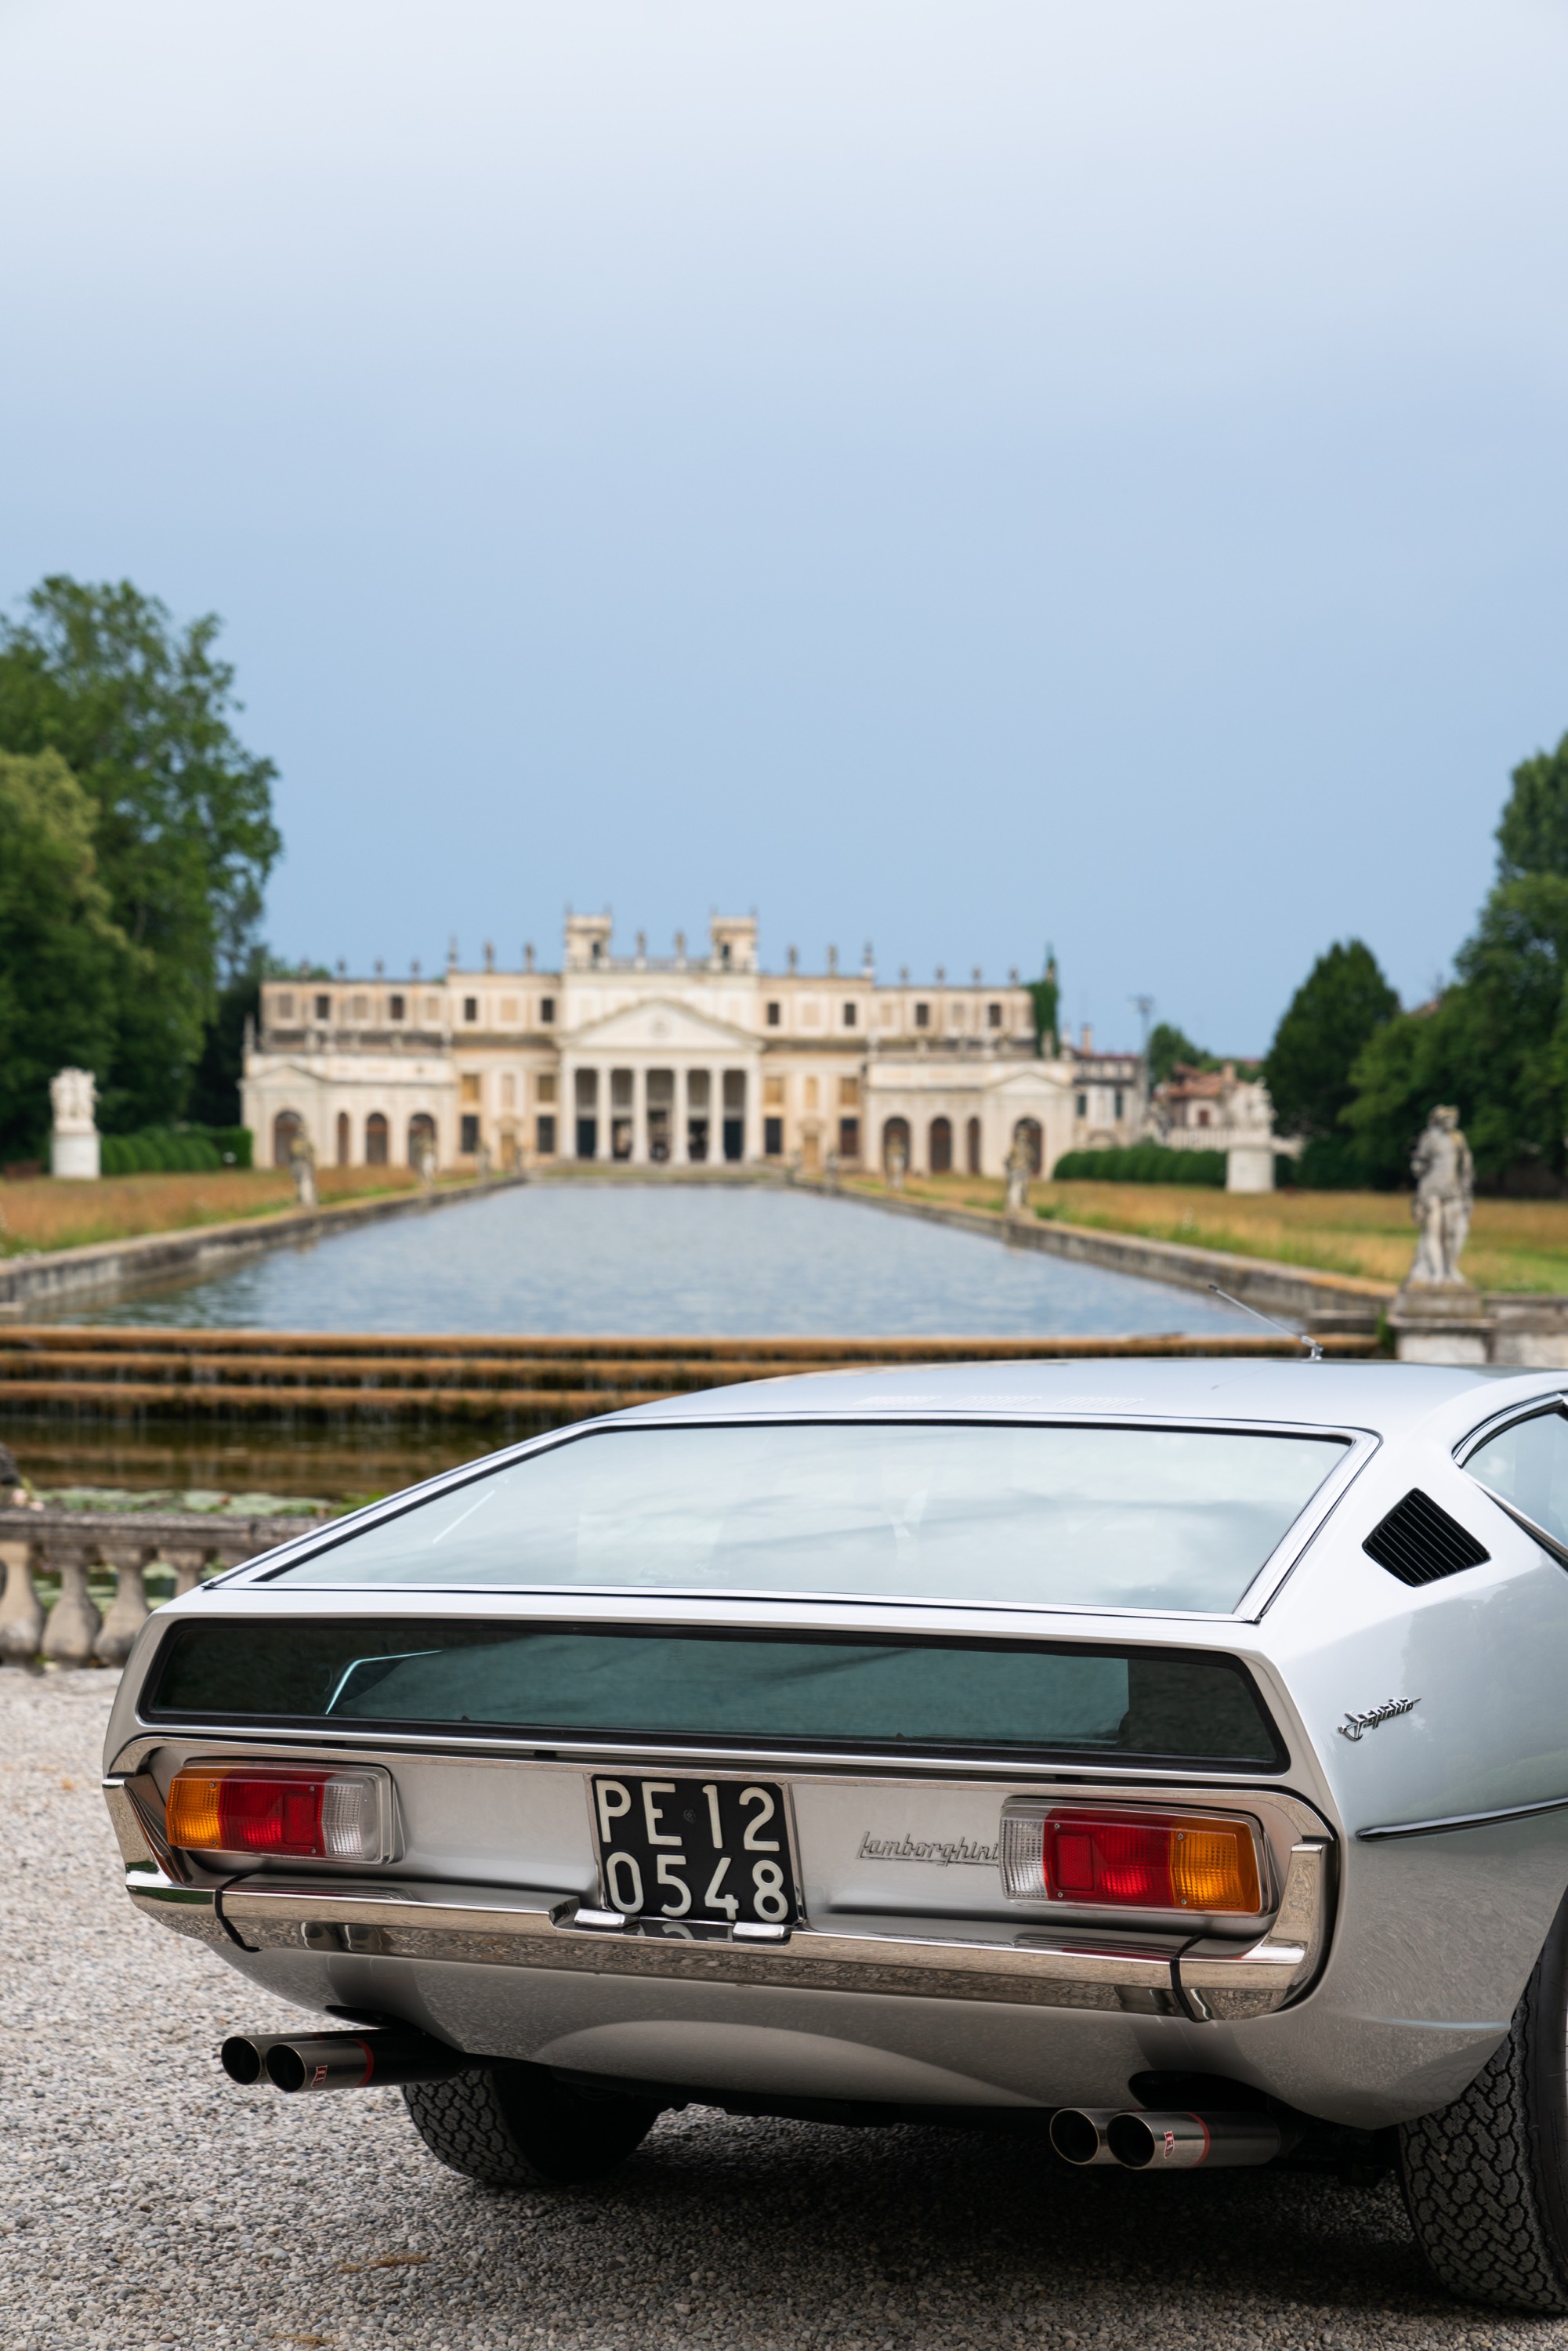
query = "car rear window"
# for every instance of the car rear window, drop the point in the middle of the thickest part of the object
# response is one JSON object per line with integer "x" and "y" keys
{"x": 861, "y": 1691}
{"x": 1039, "y": 1516}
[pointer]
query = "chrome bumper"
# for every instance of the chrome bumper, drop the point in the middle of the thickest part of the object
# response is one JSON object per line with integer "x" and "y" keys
{"x": 496, "y": 1927}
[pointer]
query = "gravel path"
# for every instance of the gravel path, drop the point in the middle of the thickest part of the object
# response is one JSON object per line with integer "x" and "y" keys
{"x": 151, "y": 2202}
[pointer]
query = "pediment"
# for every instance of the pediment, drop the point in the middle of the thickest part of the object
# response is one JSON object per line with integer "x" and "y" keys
{"x": 1036, "y": 1077}
{"x": 660, "y": 1025}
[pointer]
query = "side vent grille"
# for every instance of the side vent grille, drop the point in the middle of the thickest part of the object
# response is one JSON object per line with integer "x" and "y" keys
{"x": 1420, "y": 1543}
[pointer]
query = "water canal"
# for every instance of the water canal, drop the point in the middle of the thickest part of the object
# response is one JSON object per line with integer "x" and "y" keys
{"x": 662, "y": 1259}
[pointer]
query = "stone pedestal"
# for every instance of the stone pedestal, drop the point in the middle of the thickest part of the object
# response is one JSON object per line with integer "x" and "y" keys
{"x": 1250, "y": 1167}
{"x": 76, "y": 1158}
{"x": 1441, "y": 1322}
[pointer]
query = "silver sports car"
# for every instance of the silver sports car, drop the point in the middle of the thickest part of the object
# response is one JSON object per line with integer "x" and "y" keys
{"x": 1166, "y": 1758}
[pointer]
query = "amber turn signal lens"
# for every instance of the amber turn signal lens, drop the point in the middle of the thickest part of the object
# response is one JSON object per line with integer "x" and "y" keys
{"x": 1213, "y": 1866}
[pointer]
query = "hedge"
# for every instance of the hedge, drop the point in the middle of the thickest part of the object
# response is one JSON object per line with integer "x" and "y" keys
{"x": 1141, "y": 1163}
{"x": 162, "y": 1151}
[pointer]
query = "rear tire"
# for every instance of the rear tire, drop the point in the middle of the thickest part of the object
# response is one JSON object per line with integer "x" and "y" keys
{"x": 1486, "y": 2180}
{"x": 511, "y": 2126}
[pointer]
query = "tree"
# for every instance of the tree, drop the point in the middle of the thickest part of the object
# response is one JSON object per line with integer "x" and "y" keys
{"x": 63, "y": 961}
{"x": 1045, "y": 995}
{"x": 1344, "y": 998}
{"x": 1167, "y": 1046}
{"x": 140, "y": 711}
{"x": 1533, "y": 837}
{"x": 1496, "y": 1044}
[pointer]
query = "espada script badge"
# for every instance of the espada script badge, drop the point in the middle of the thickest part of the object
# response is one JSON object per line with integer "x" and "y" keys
{"x": 1355, "y": 1725}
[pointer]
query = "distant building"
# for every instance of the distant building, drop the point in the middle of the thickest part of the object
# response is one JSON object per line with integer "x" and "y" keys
{"x": 673, "y": 1061}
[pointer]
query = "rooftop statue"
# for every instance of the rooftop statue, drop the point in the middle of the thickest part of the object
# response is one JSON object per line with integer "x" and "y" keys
{"x": 1445, "y": 1193}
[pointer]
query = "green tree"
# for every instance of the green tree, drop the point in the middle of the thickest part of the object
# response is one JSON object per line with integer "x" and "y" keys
{"x": 1533, "y": 837}
{"x": 1496, "y": 1041}
{"x": 1167, "y": 1046}
{"x": 141, "y": 710}
{"x": 64, "y": 964}
{"x": 1045, "y": 995}
{"x": 1496, "y": 1044}
{"x": 1343, "y": 1001}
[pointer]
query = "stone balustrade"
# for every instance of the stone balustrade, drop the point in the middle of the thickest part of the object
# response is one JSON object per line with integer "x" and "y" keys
{"x": 72, "y": 1544}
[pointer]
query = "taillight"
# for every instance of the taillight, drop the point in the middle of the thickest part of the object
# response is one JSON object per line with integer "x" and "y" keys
{"x": 1129, "y": 1860}
{"x": 298, "y": 1814}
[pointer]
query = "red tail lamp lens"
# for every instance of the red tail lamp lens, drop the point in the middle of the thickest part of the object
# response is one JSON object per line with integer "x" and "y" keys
{"x": 300, "y": 1815}
{"x": 1133, "y": 1861}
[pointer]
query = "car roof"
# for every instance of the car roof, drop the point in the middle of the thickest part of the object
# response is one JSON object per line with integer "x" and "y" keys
{"x": 1388, "y": 1398}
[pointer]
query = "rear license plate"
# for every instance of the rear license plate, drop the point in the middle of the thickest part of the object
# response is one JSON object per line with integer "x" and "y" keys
{"x": 696, "y": 1850}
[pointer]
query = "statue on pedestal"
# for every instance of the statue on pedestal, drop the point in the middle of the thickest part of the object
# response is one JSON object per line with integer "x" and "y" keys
{"x": 74, "y": 1146}
{"x": 302, "y": 1161}
{"x": 1444, "y": 1194}
{"x": 1019, "y": 1170}
{"x": 897, "y": 1164}
{"x": 1437, "y": 1318}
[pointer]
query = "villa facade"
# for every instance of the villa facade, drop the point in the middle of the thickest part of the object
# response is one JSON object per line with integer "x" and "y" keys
{"x": 673, "y": 1061}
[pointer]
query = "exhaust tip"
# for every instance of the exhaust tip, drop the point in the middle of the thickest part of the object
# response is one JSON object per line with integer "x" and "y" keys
{"x": 1075, "y": 2136}
{"x": 284, "y": 2067}
{"x": 1132, "y": 2142}
{"x": 242, "y": 2059}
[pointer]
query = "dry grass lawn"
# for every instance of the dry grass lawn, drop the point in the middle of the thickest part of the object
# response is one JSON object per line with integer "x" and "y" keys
{"x": 42, "y": 1213}
{"x": 1518, "y": 1245}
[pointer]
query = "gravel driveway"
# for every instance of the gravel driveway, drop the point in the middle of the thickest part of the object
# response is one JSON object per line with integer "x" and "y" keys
{"x": 151, "y": 2202}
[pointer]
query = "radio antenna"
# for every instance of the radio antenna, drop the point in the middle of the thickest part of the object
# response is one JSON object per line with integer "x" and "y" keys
{"x": 1313, "y": 1346}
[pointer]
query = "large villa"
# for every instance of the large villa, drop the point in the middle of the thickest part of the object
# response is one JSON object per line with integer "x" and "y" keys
{"x": 674, "y": 1059}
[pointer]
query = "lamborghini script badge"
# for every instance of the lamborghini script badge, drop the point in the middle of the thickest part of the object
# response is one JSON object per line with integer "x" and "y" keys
{"x": 1354, "y": 1725}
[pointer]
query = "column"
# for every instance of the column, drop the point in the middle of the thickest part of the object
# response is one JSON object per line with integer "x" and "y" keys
{"x": 680, "y": 1110}
{"x": 639, "y": 1116}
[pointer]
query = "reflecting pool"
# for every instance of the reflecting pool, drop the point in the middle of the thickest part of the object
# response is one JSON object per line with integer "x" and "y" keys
{"x": 666, "y": 1260}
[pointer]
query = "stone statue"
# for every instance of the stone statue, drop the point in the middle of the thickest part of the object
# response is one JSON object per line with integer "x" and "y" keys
{"x": 424, "y": 1160}
{"x": 74, "y": 1146}
{"x": 1445, "y": 1192}
{"x": 897, "y": 1164}
{"x": 302, "y": 1160}
{"x": 1019, "y": 1173}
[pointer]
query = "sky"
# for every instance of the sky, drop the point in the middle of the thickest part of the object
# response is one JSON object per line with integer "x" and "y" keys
{"x": 955, "y": 476}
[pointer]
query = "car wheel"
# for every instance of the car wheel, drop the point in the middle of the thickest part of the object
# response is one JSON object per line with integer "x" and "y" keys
{"x": 515, "y": 2125}
{"x": 1486, "y": 2180}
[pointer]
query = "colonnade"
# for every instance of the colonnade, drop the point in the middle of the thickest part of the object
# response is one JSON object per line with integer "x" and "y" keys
{"x": 645, "y": 1113}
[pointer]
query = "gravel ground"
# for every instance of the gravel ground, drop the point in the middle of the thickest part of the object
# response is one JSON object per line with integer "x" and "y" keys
{"x": 151, "y": 2202}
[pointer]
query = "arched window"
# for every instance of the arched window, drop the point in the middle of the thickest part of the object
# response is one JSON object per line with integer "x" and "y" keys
{"x": 375, "y": 1140}
{"x": 941, "y": 1146}
{"x": 894, "y": 1134}
{"x": 972, "y": 1147}
{"x": 342, "y": 1138}
{"x": 1026, "y": 1132}
{"x": 285, "y": 1127}
{"x": 420, "y": 1138}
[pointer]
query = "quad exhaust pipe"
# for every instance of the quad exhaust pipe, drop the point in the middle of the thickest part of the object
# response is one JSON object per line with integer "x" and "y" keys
{"x": 375, "y": 2059}
{"x": 1148, "y": 2140}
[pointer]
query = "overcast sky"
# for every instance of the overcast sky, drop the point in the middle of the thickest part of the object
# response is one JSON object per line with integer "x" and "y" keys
{"x": 951, "y": 475}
